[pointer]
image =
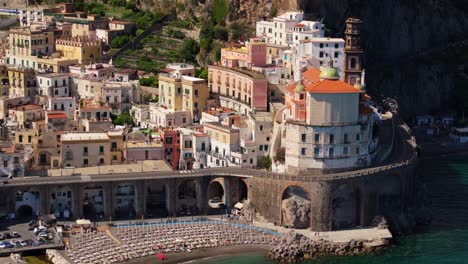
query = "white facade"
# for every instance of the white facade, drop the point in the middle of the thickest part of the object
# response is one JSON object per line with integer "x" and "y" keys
{"x": 289, "y": 28}
{"x": 315, "y": 52}
{"x": 66, "y": 104}
{"x": 120, "y": 95}
{"x": 162, "y": 117}
{"x": 53, "y": 85}
{"x": 31, "y": 16}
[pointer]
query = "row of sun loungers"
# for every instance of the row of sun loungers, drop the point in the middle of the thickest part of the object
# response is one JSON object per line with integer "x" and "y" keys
{"x": 144, "y": 240}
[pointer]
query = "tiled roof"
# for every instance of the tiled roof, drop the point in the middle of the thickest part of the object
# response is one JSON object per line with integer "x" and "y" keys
{"x": 312, "y": 74}
{"x": 331, "y": 86}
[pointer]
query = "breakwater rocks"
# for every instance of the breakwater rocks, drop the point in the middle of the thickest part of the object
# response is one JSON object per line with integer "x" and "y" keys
{"x": 294, "y": 248}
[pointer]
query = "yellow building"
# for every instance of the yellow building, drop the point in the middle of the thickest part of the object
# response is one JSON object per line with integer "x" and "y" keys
{"x": 27, "y": 136}
{"x": 117, "y": 139}
{"x": 29, "y": 42}
{"x": 183, "y": 93}
{"x": 4, "y": 82}
{"x": 22, "y": 83}
{"x": 80, "y": 48}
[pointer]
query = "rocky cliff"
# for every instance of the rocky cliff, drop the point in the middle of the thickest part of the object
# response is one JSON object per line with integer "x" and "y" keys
{"x": 406, "y": 41}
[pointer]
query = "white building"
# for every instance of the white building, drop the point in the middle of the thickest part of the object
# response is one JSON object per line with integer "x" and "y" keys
{"x": 289, "y": 28}
{"x": 163, "y": 117}
{"x": 120, "y": 95}
{"x": 31, "y": 16}
{"x": 66, "y": 104}
{"x": 327, "y": 125}
{"x": 53, "y": 84}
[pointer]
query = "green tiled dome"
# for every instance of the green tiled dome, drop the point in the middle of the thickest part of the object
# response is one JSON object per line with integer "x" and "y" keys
{"x": 329, "y": 73}
{"x": 299, "y": 88}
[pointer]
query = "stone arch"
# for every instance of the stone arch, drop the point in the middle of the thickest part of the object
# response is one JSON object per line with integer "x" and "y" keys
{"x": 216, "y": 193}
{"x": 157, "y": 200}
{"x": 295, "y": 207}
{"x": 124, "y": 201}
{"x": 345, "y": 207}
{"x": 188, "y": 197}
{"x": 243, "y": 190}
{"x": 60, "y": 200}
{"x": 24, "y": 211}
{"x": 29, "y": 197}
{"x": 93, "y": 201}
{"x": 390, "y": 193}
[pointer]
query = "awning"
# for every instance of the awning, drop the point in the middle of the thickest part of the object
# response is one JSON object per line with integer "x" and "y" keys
{"x": 83, "y": 222}
{"x": 239, "y": 206}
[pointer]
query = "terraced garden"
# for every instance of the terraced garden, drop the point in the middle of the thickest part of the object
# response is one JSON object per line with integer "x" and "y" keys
{"x": 153, "y": 52}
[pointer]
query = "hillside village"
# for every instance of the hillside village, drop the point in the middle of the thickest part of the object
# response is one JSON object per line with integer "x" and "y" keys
{"x": 289, "y": 99}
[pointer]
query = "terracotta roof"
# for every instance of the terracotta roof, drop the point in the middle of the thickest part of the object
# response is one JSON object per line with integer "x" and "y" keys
{"x": 56, "y": 115}
{"x": 299, "y": 25}
{"x": 312, "y": 74}
{"x": 291, "y": 87}
{"x": 331, "y": 86}
{"x": 27, "y": 107}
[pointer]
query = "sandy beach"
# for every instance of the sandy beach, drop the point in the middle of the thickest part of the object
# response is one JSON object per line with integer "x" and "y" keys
{"x": 198, "y": 254}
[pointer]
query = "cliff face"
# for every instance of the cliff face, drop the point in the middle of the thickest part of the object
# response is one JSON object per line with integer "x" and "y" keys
{"x": 401, "y": 39}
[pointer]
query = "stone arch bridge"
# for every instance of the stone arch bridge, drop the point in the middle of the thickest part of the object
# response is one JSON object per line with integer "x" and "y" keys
{"x": 337, "y": 200}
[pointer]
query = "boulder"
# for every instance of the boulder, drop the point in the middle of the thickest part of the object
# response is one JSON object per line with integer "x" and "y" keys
{"x": 296, "y": 212}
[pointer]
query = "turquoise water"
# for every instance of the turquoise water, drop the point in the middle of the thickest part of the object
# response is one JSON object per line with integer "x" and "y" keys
{"x": 444, "y": 241}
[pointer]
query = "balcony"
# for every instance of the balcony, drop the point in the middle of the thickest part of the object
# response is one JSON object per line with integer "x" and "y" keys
{"x": 101, "y": 152}
{"x": 218, "y": 81}
{"x": 85, "y": 154}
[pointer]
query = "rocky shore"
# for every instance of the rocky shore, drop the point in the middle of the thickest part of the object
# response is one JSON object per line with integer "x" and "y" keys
{"x": 294, "y": 248}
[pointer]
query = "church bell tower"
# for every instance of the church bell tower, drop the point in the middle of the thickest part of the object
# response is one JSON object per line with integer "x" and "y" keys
{"x": 353, "y": 51}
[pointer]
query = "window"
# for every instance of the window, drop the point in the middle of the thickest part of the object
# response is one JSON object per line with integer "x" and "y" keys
{"x": 260, "y": 148}
{"x": 85, "y": 151}
{"x": 265, "y": 147}
{"x": 357, "y": 150}
{"x": 303, "y": 151}
{"x": 336, "y": 45}
{"x": 316, "y": 138}
{"x": 321, "y": 54}
{"x": 316, "y": 151}
{"x": 114, "y": 157}
{"x": 346, "y": 141}
{"x": 114, "y": 146}
{"x": 345, "y": 150}
{"x": 358, "y": 137}
{"x": 101, "y": 161}
{"x": 332, "y": 138}
{"x": 29, "y": 139}
{"x": 203, "y": 146}
{"x": 331, "y": 152}
{"x": 261, "y": 127}
{"x": 20, "y": 138}
{"x": 85, "y": 162}
{"x": 321, "y": 45}
{"x": 68, "y": 155}
{"x": 268, "y": 139}
{"x": 336, "y": 54}
{"x": 101, "y": 149}
{"x": 303, "y": 137}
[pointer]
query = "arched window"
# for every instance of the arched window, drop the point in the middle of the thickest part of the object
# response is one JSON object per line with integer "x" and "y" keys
{"x": 353, "y": 63}
{"x": 68, "y": 155}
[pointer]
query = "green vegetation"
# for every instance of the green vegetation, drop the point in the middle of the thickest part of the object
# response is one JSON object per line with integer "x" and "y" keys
{"x": 220, "y": 10}
{"x": 189, "y": 50}
{"x": 181, "y": 24}
{"x": 201, "y": 73}
{"x": 36, "y": 260}
{"x": 124, "y": 119}
{"x": 150, "y": 81}
{"x": 265, "y": 163}
{"x": 175, "y": 33}
{"x": 119, "y": 41}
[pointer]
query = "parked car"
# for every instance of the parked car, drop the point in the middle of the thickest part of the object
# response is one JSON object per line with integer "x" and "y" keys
{"x": 15, "y": 234}
{"x": 16, "y": 243}
{"x": 7, "y": 235}
{"x": 37, "y": 243}
{"x": 23, "y": 243}
{"x": 7, "y": 244}
{"x": 29, "y": 242}
{"x": 2, "y": 237}
{"x": 39, "y": 229}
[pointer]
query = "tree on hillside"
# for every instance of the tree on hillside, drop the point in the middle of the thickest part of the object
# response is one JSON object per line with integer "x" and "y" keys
{"x": 123, "y": 119}
{"x": 189, "y": 50}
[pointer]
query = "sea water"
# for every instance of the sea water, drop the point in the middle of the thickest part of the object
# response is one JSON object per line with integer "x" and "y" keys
{"x": 444, "y": 241}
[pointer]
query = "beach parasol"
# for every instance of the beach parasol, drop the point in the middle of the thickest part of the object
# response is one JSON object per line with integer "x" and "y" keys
{"x": 161, "y": 256}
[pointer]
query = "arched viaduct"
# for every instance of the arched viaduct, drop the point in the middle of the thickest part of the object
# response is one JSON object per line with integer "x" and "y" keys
{"x": 338, "y": 200}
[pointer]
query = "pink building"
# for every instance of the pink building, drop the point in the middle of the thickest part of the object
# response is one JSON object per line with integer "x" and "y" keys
{"x": 245, "y": 86}
{"x": 252, "y": 54}
{"x": 144, "y": 150}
